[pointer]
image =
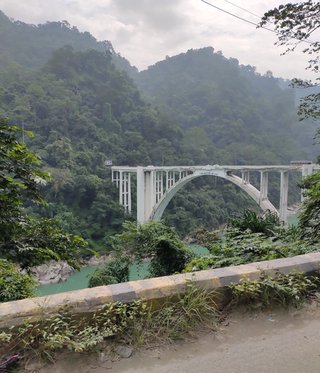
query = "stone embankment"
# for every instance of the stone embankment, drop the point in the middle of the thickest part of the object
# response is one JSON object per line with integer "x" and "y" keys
{"x": 54, "y": 272}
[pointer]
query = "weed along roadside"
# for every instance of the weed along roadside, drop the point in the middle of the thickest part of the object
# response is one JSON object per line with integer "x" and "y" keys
{"x": 148, "y": 311}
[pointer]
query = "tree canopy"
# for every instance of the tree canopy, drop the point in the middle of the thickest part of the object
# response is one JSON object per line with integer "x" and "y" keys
{"x": 26, "y": 239}
{"x": 296, "y": 24}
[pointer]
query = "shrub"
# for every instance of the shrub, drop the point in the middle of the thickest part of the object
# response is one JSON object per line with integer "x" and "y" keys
{"x": 204, "y": 237}
{"x": 169, "y": 258}
{"x": 136, "y": 323}
{"x": 13, "y": 284}
{"x": 283, "y": 289}
{"x": 265, "y": 224}
{"x": 157, "y": 242}
{"x": 236, "y": 249}
{"x": 309, "y": 218}
{"x": 114, "y": 272}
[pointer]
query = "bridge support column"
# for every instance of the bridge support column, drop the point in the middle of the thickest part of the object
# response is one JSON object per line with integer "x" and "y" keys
{"x": 263, "y": 186}
{"x": 140, "y": 195}
{"x": 121, "y": 188}
{"x": 146, "y": 195}
{"x": 284, "y": 184}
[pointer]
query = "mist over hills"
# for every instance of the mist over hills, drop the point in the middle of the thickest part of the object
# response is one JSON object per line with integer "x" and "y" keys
{"x": 86, "y": 104}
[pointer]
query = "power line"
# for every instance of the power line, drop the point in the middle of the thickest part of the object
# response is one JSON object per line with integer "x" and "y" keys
{"x": 247, "y": 21}
{"x": 234, "y": 15}
{"x": 246, "y": 10}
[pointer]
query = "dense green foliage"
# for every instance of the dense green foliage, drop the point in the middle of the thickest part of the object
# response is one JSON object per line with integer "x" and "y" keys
{"x": 309, "y": 217}
{"x": 84, "y": 112}
{"x": 265, "y": 224}
{"x": 236, "y": 246}
{"x": 25, "y": 239}
{"x": 114, "y": 272}
{"x": 157, "y": 242}
{"x": 296, "y": 23}
{"x": 13, "y": 284}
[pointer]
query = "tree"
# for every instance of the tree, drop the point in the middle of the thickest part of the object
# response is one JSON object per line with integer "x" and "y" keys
{"x": 13, "y": 284}
{"x": 157, "y": 242}
{"x": 26, "y": 239}
{"x": 114, "y": 272}
{"x": 295, "y": 24}
{"x": 310, "y": 211}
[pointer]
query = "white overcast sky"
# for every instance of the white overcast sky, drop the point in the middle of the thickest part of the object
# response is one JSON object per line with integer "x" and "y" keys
{"x": 146, "y": 31}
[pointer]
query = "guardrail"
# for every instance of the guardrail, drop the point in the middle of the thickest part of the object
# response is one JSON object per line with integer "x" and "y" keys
{"x": 153, "y": 289}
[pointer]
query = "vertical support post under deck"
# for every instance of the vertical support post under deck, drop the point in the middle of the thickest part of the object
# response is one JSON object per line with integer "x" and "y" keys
{"x": 121, "y": 188}
{"x": 245, "y": 177}
{"x": 263, "y": 185}
{"x": 167, "y": 181}
{"x": 127, "y": 194}
{"x": 140, "y": 195}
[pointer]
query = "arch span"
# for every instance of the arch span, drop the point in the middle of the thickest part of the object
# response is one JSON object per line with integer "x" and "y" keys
{"x": 156, "y": 185}
{"x": 253, "y": 192}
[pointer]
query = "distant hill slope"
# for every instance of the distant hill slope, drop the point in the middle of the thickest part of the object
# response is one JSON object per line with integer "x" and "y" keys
{"x": 32, "y": 45}
{"x": 229, "y": 106}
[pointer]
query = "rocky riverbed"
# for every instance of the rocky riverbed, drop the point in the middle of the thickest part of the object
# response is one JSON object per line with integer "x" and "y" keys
{"x": 54, "y": 272}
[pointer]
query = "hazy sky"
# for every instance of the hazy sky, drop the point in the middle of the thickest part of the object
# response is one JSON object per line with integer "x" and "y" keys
{"x": 146, "y": 31}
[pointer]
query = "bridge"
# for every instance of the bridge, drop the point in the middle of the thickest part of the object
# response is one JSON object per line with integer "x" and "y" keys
{"x": 156, "y": 186}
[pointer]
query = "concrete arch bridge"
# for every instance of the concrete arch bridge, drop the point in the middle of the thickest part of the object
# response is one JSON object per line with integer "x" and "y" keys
{"x": 156, "y": 186}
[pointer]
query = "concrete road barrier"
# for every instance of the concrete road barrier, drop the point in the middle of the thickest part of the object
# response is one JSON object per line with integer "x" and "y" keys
{"x": 153, "y": 289}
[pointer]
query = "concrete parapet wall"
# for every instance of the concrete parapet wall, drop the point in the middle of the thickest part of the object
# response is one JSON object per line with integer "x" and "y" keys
{"x": 91, "y": 300}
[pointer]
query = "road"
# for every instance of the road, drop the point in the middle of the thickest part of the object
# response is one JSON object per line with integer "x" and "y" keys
{"x": 268, "y": 342}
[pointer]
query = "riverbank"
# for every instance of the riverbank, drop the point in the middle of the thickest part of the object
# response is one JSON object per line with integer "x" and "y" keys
{"x": 80, "y": 279}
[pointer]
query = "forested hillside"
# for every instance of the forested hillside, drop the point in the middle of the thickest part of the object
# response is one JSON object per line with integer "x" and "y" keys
{"x": 32, "y": 45}
{"x": 195, "y": 108}
{"x": 230, "y": 113}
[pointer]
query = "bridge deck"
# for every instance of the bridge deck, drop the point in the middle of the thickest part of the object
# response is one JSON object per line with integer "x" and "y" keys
{"x": 215, "y": 167}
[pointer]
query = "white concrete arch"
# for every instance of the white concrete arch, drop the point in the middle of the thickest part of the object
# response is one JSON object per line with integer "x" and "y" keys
{"x": 253, "y": 192}
{"x": 156, "y": 185}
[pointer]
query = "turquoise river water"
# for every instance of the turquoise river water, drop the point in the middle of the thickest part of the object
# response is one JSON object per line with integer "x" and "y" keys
{"x": 80, "y": 279}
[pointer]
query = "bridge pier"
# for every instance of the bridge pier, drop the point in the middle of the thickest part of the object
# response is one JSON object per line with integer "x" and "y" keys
{"x": 140, "y": 195}
{"x": 284, "y": 187}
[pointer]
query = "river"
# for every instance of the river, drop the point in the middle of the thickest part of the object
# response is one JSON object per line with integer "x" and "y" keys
{"x": 79, "y": 280}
